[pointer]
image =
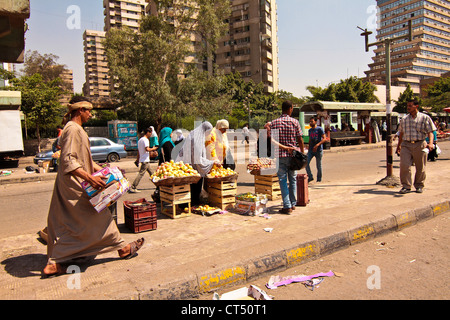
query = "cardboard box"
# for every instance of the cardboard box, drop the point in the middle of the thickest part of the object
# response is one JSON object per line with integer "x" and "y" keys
{"x": 110, "y": 194}
{"x": 253, "y": 208}
{"x": 112, "y": 175}
{"x": 116, "y": 186}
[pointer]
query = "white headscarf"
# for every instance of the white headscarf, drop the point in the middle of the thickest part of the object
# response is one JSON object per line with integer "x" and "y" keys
{"x": 194, "y": 150}
{"x": 153, "y": 132}
{"x": 222, "y": 137}
{"x": 179, "y": 134}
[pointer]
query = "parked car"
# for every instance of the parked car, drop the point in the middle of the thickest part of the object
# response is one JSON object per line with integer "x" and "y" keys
{"x": 102, "y": 149}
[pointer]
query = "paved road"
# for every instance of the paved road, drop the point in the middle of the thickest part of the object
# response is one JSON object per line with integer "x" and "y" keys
{"x": 409, "y": 264}
{"x": 185, "y": 256}
{"x": 24, "y": 206}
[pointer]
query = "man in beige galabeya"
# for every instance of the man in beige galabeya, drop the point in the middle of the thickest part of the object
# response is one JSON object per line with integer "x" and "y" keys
{"x": 75, "y": 228}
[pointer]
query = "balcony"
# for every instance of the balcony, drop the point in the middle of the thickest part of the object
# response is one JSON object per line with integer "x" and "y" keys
{"x": 267, "y": 66}
{"x": 267, "y": 55}
{"x": 266, "y": 31}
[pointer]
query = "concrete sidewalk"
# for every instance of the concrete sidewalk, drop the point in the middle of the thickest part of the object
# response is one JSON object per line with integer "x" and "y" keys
{"x": 194, "y": 255}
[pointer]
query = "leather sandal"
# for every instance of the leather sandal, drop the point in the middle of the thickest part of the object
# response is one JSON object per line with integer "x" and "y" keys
{"x": 134, "y": 247}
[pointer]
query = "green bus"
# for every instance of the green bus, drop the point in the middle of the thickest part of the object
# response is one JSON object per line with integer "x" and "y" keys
{"x": 338, "y": 114}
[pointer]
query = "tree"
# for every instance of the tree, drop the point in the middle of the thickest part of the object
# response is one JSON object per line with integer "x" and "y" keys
{"x": 347, "y": 90}
{"x": 39, "y": 100}
{"x": 203, "y": 95}
{"x": 284, "y": 95}
{"x": 405, "y": 96}
{"x": 439, "y": 87}
{"x": 46, "y": 65}
{"x": 438, "y": 95}
{"x": 146, "y": 66}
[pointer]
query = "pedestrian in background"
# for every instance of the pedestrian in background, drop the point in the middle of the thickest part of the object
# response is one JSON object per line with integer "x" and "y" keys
{"x": 413, "y": 129}
{"x": 317, "y": 138}
{"x": 153, "y": 140}
{"x": 289, "y": 136}
{"x": 144, "y": 150}
{"x": 179, "y": 136}
{"x": 266, "y": 150}
{"x": 164, "y": 153}
{"x": 246, "y": 134}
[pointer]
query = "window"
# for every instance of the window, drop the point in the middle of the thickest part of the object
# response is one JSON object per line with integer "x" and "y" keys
{"x": 99, "y": 143}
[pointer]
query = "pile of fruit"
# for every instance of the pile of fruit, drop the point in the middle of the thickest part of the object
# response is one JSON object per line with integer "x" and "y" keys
{"x": 261, "y": 163}
{"x": 205, "y": 208}
{"x": 251, "y": 197}
{"x": 173, "y": 169}
{"x": 220, "y": 172}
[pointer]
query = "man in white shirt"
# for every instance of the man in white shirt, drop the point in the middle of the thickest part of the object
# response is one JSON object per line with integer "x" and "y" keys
{"x": 144, "y": 159}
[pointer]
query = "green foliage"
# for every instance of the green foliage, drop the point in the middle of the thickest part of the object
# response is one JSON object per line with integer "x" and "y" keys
{"x": 438, "y": 95}
{"x": 146, "y": 66}
{"x": 437, "y": 103}
{"x": 100, "y": 118}
{"x": 440, "y": 87}
{"x": 203, "y": 95}
{"x": 348, "y": 90}
{"x": 41, "y": 87}
{"x": 400, "y": 104}
{"x": 39, "y": 101}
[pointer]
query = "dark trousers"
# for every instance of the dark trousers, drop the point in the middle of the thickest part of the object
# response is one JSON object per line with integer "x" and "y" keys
{"x": 196, "y": 190}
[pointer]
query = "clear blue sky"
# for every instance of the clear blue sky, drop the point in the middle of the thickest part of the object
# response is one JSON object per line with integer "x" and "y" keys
{"x": 318, "y": 40}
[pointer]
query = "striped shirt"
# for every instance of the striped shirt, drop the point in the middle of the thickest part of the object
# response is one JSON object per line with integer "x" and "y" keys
{"x": 288, "y": 132}
{"x": 416, "y": 128}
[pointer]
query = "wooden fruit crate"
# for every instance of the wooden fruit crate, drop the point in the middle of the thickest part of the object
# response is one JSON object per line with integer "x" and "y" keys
{"x": 268, "y": 185}
{"x": 222, "y": 194}
{"x": 174, "y": 196}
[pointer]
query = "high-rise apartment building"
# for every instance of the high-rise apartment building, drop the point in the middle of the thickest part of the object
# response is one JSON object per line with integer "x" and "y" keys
{"x": 96, "y": 66}
{"x": 117, "y": 13}
{"x": 67, "y": 79}
{"x": 251, "y": 45}
{"x": 120, "y": 13}
{"x": 427, "y": 56}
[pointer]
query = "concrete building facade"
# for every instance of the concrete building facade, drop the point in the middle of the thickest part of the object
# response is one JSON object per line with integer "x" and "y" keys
{"x": 96, "y": 66}
{"x": 118, "y": 13}
{"x": 427, "y": 56}
{"x": 251, "y": 46}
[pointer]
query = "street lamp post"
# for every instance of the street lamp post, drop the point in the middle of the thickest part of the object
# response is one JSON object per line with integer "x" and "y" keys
{"x": 390, "y": 179}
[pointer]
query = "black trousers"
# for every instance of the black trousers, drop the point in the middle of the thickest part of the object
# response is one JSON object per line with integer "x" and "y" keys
{"x": 196, "y": 190}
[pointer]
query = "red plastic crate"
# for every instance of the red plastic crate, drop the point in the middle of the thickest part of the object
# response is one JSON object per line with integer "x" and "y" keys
{"x": 140, "y": 215}
{"x": 140, "y": 225}
{"x": 139, "y": 209}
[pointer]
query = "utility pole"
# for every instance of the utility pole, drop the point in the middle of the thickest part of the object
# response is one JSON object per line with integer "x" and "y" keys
{"x": 390, "y": 180}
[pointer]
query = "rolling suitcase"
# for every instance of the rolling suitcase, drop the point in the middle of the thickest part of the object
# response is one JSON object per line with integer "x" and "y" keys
{"x": 302, "y": 190}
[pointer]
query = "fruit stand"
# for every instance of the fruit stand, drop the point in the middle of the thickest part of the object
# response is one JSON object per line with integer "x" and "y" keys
{"x": 174, "y": 180}
{"x": 173, "y": 196}
{"x": 266, "y": 180}
{"x": 222, "y": 187}
{"x": 268, "y": 185}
